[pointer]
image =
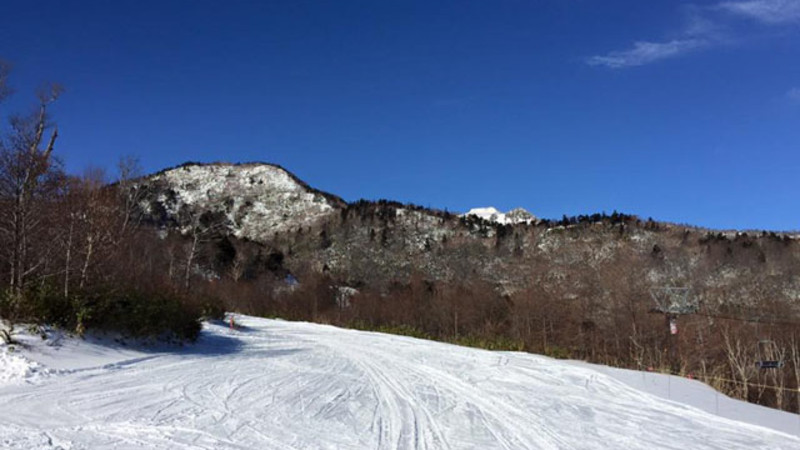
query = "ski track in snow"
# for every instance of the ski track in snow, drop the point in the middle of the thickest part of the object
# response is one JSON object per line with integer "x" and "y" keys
{"x": 284, "y": 385}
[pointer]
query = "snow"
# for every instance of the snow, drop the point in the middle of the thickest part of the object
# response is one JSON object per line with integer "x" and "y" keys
{"x": 261, "y": 199}
{"x": 272, "y": 384}
{"x": 488, "y": 213}
{"x": 15, "y": 368}
{"x": 702, "y": 396}
{"x": 492, "y": 214}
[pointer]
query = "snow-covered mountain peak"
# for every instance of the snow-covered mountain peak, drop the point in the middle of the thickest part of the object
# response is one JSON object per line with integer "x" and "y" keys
{"x": 490, "y": 213}
{"x": 486, "y": 212}
{"x": 208, "y": 181}
{"x": 257, "y": 199}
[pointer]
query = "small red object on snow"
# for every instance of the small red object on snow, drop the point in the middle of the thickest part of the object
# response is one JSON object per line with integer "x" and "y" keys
{"x": 233, "y": 325}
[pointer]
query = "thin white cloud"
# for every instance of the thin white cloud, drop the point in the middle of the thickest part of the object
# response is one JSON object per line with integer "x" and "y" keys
{"x": 699, "y": 31}
{"x": 794, "y": 94}
{"x": 704, "y": 27}
{"x": 698, "y": 23}
{"x": 766, "y": 11}
{"x": 645, "y": 52}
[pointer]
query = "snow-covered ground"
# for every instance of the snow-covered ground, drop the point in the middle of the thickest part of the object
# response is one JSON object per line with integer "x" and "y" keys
{"x": 286, "y": 385}
{"x": 702, "y": 396}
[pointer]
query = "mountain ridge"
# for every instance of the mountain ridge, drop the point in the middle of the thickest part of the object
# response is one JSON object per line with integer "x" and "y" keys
{"x": 482, "y": 212}
{"x": 366, "y": 242}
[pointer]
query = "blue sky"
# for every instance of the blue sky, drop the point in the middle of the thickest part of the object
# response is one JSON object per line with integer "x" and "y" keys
{"x": 686, "y": 112}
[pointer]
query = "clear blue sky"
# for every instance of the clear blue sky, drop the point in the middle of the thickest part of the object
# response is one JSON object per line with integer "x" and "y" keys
{"x": 686, "y": 112}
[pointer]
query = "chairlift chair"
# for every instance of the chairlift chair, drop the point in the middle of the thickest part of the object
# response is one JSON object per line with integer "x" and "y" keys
{"x": 766, "y": 352}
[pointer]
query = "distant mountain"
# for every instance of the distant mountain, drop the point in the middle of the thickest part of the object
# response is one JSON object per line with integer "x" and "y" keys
{"x": 377, "y": 243}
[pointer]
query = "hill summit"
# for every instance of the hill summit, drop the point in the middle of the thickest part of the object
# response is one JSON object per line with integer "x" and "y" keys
{"x": 515, "y": 216}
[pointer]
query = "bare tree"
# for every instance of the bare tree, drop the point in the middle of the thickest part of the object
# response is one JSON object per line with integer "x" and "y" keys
{"x": 69, "y": 213}
{"x": 96, "y": 215}
{"x": 238, "y": 266}
{"x": 129, "y": 171}
{"x": 201, "y": 228}
{"x": 794, "y": 356}
{"x": 29, "y": 177}
{"x": 740, "y": 360}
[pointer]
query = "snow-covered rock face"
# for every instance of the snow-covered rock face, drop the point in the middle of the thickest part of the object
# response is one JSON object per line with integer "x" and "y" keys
{"x": 518, "y": 215}
{"x": 257, "y": 200}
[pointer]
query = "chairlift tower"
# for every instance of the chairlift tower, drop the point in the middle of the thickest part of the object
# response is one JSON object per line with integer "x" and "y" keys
{"x": 673, "y": 302}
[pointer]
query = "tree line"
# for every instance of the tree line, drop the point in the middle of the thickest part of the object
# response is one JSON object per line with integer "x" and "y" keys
{"x": 71, "y": 250}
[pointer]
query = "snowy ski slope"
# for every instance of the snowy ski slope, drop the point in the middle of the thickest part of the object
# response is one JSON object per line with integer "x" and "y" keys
{"x": 286, "y": 385}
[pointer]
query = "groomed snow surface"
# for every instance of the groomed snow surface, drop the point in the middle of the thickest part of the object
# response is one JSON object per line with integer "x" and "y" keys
{"x": 285, "y": 385}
